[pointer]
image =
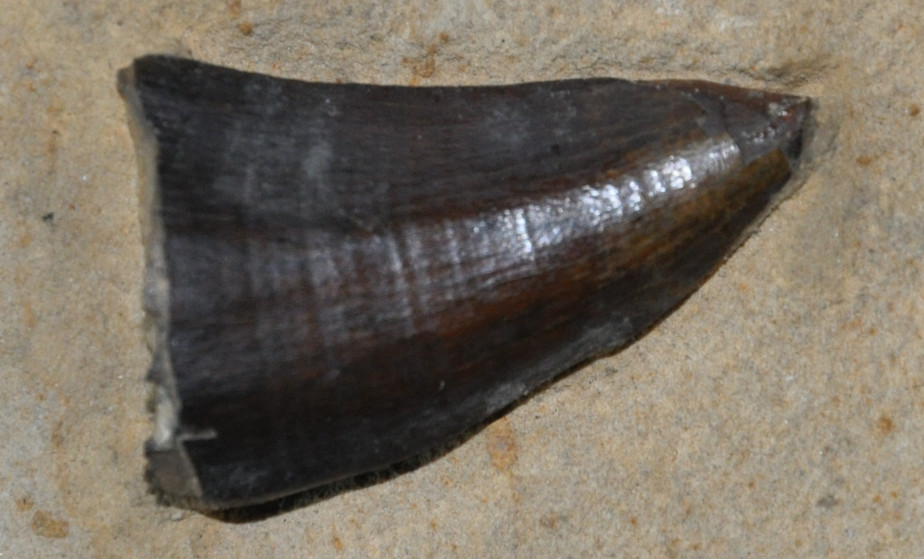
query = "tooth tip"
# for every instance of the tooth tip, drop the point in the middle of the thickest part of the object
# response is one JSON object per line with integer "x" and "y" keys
{"x": 760, "y": 121}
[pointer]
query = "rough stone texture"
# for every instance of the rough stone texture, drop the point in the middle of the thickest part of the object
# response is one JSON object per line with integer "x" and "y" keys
{"x": 779, "y": 412}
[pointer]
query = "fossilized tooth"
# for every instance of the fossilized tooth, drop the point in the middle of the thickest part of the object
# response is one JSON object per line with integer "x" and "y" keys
{"x": 342, "y": 276}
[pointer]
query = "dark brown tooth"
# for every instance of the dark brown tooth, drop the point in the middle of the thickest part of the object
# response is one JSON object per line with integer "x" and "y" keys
{"x": 341, "y": 277}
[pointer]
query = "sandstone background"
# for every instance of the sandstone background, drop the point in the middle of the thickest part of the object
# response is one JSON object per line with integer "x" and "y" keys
{"x": 778, "y": 413}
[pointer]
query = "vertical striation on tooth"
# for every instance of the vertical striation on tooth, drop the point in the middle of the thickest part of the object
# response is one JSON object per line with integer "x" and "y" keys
{"x": 343, "y": 276}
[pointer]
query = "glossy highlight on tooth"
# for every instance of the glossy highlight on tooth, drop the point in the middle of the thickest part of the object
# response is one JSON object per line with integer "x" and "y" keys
{"x": 340, "y": 277}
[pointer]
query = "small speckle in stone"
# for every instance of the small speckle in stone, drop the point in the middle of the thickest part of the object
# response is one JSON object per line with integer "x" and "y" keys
{"x": 827, "y": 502}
